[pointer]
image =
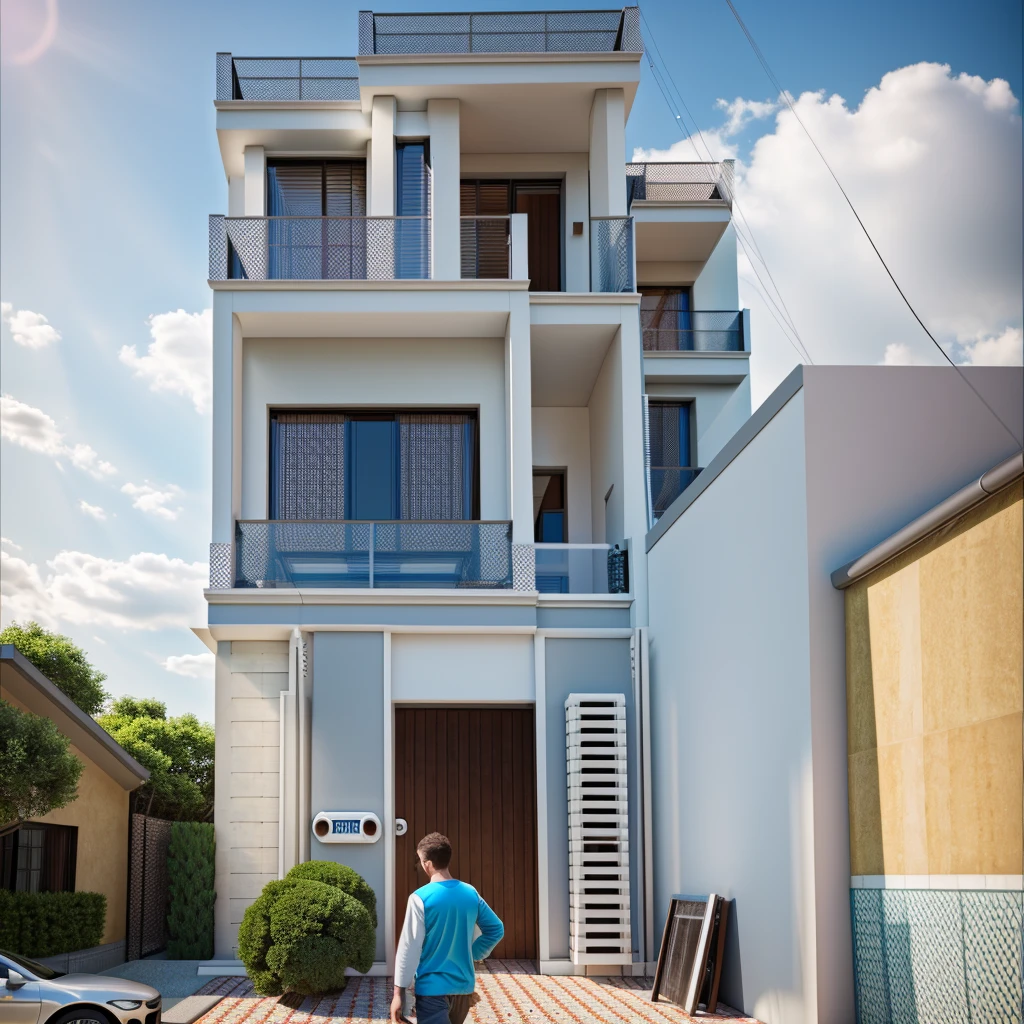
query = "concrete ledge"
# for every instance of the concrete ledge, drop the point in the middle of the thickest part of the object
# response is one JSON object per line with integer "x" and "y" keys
{"x": 189, "y": 1009}
{"x": 87, "y": 961}
{"x": 221, "y": 969}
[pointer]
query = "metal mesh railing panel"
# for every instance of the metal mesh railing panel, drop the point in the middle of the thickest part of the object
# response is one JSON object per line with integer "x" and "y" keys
{"x": 667, "y": 483}
{"x": 524, "y": 567}
{"x": 943, "y": 956}
{"x": 505, "y": 32}
{"x": 220, "y": 566}
{"x": 611, "y": 254}
{"x": 380, "y": 555}
{"x": 681, "y": 182}
{"x": 147, "y": 886}
{"x": 712, "y": 330}
{"x": 319, "y": 248}
{"x": 291, "y": 78}
{"x": 485, "y": 249}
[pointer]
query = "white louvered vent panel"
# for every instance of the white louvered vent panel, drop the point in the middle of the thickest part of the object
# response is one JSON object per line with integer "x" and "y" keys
{"x": 595, "y": 758}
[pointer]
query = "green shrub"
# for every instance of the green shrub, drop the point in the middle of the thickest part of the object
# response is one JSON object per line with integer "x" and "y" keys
{"x": 190, "y": 873}
{"x": 47, "y": 923}
{"x": 306, "y": 928}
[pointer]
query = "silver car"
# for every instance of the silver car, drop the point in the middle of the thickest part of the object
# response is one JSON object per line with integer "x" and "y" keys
{"x": 33, "y": 994}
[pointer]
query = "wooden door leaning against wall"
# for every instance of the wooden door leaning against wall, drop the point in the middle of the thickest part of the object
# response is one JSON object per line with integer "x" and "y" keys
{"x": 470, "y": 773}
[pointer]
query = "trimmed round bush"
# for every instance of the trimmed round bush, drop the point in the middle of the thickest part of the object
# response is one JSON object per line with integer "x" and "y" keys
{"x": 306, "y": 928}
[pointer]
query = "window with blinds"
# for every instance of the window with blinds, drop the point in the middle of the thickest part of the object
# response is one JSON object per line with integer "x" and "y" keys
{"x": 374, "y": 466}
{"x": 317, "y": 188}
{"x": 412, "y": 200}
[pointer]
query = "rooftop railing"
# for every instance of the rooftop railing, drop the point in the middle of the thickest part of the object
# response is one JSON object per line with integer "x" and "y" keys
{"x": 287, "y": 78}
{"x": 373, "y": 555}
{"x": 319, "y": 248}
{"x": 680, "y": 182}
{"x": 501, "y": 32}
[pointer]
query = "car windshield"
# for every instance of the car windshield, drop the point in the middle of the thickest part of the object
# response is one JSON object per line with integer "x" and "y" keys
{"x": 41, "y": 972}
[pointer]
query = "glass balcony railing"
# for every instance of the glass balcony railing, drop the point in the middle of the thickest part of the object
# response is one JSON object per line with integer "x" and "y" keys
{"x": 319, "y": 248}
{"x": 710, "y": 330}
{"x": 578, "y": 569}
{"x": 667, "y": 483}
{"x": 373, "y": 555}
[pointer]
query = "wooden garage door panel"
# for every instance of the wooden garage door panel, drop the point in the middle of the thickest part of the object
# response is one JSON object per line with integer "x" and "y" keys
{"x": 470, "y": 773}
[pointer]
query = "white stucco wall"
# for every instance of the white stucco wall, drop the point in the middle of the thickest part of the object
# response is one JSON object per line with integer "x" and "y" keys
{"x": 730, "y": 721}
{"x": 250, "y": 676}
{"x": 717, "y": 284}
{"x": 606, "y": 470}
{"x": 561, "y": 438}
{"x": 383, "y": 372}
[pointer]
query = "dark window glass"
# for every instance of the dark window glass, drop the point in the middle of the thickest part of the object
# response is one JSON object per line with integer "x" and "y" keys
{"x": 549, "y": 507}
{"x": 671, "y": 456}
{"x": 412, "y": 199}
{"x": 665, "y": 319}
{"x": 372, "y": 470}
{"x": 39, "y": 858}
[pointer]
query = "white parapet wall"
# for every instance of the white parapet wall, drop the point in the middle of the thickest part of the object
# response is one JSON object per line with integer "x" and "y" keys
{"x": 250, "y": 677}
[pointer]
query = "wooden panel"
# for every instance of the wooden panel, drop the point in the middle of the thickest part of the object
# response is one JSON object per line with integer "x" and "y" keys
{"x": 470, "y": 774}
{"x": 544, "y": 234}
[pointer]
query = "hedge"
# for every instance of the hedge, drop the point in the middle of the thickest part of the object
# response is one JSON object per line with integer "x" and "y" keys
{"x": 190, "y": 873}
{"x": 38, "y": 924}
{"x": 305, "y": 929}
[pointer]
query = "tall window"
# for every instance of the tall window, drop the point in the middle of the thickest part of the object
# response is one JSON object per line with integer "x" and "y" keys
{"x": 550, "y": 525}
{"x": 39, "y": 858}
{"x": 381, "y": 465}
{"x": 671, "y": 454}
{"x": 412, "y": 200}
{"x": 666, "y": 320}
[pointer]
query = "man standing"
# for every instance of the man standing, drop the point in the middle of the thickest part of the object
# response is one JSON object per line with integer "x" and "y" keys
{"x": 437, "y": 948}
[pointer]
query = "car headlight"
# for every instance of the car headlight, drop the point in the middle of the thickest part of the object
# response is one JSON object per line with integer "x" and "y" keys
{"x": 126, "y": 1004}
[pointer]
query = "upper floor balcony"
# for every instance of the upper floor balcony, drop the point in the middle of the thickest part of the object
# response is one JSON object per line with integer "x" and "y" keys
{"x": 689, "y": 182}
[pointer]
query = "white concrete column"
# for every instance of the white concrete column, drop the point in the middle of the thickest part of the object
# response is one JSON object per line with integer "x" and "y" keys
{"x": 608, "y": 154}
{"x": 382, "y": 157}
{"x": 446, "y": 168}
{"x": 634, "y": 488}
{"x": 255, "y": 182}
{"x": 519, "y": 405}
{"x": 227, "y": 361}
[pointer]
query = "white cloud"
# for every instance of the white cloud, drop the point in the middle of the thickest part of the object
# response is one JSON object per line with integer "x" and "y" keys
{"x": 92, "y": 510}
{"x": 1006, "y": 349}
{"x": 179, "y": 357}
{"x": 30, "y": 329}
{"x": 153, "y": 500}
{"x": 147, "y": 591}
{"x": 31, "y": 428}
{"x": 8, "y": 543}
{"x": 741, "y": 112}
{"x": 932, "y": 161}
{"x": 195, "y": 666}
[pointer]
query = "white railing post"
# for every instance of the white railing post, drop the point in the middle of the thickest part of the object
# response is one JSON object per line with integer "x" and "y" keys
{"x": 519, "y": 269}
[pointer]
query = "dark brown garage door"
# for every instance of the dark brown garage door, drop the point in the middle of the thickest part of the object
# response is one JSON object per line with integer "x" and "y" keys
{"x": 470, "y": 773}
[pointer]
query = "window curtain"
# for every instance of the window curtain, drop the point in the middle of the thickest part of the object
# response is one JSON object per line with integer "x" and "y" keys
{"x": 307, "y": 466}
{"x": 60, "y": 853}
{"x": 436, "y": 465}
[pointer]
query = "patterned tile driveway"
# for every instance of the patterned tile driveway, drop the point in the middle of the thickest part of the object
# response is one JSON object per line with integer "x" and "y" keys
{"x": 510, "y": 993}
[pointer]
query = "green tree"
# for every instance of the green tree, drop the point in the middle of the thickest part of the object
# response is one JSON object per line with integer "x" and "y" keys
{"x": 37, "y": 771}
{"x": 177, "y": 751}
{"x": 61, "y": 661}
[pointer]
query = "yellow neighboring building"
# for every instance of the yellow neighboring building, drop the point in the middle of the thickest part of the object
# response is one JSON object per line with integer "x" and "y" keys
{"x": 83, "y": 846}
{"x": 935, "y": 717}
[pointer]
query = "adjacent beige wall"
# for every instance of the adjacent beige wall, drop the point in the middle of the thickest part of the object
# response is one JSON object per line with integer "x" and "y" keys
{"x": 935, "y": 697}
{"x": 101, "y": 814}
{"x": 250, "y": 678}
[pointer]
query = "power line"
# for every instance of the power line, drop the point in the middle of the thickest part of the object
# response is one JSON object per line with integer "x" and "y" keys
{"x": 885, "y": 266}
{"x": 750, "y": 246}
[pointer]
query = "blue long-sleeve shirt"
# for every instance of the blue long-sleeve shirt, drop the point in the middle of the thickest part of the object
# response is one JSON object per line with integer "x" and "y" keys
{"x": 437, "y": 948}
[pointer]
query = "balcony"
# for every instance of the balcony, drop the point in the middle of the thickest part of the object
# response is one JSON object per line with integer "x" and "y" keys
{"x": 319, "y": 248}
{"x": 710, "y": 330}
{"x": 680, "y": 183}
{"x": 373, "y": 555}
{"x": 284, "y": 79}
{"x": 666, "y": 484}
{"x": 505, "y": 32}
{"x": 577, "y": 569}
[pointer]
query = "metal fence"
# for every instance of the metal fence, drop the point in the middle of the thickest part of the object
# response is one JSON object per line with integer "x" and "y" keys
{"x": 287, "y": 78}
{"x": 667, "y": 483}
{"x": 485, "y": 247}
{"x": 319, "y": 248}
{"x": 377, "y": 555}
{"x": 501, "y": 32}
{"x": 148, "y": 839}
{"x": 706, "y": 330}
{"x": 611, "y": 254}
{"x": 681, "y": 182}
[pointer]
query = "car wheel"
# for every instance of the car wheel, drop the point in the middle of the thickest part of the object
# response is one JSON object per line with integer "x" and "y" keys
{"x": 81, "y": 1015}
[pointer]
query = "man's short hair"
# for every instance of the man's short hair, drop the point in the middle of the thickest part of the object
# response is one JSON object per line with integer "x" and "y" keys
{"x": 437, "y": 849}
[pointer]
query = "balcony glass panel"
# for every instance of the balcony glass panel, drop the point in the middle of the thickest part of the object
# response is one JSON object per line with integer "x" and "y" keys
{"x": 572, "y": 568}
{"x": 378, "y": 555}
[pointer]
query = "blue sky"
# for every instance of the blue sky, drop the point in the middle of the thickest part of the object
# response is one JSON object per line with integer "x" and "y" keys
{"x": 110, "y": 168}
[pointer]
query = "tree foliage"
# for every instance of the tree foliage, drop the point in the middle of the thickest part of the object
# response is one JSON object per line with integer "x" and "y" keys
{"x": 177, "y": 751}
{"x": 37, "y": 770}
{"x": 61, "y": 661}
{"x": 190, "y": 875}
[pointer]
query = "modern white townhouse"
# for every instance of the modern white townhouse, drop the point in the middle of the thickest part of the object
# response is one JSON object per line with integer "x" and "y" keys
{"x": 464, "y": 355}
{"x": 497, "y": 547}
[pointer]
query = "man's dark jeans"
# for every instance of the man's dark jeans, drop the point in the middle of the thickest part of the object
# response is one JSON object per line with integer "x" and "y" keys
{"x": 442, "y": 1009}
